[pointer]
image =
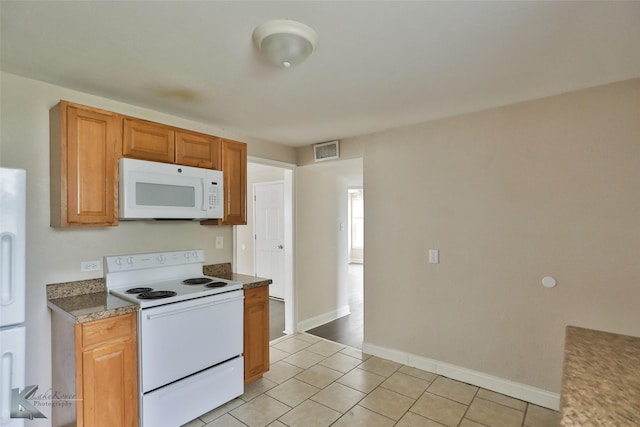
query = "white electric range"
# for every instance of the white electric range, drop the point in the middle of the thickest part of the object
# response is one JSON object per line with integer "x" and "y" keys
{"x": 190, "y": 333}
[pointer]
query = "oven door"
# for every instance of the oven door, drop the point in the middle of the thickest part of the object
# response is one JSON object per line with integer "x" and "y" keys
{"x": 180, "y": 339}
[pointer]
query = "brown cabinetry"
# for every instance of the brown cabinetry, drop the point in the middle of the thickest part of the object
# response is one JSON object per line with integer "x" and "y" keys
{"x": 197, "y": 149}
{"x": 87, "y": 142}
{"x": 156, "y": 142}
{"x": 148, "y": 141}
{"x": 96, "y": 362}
{"x": 256, "y": 333}
{"x": 233, "y": 163}
{"x": 84, "y": 148}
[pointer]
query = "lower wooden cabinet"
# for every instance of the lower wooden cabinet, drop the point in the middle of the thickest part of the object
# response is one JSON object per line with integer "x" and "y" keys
{"x": 97, "y": 363}
{"x": 256, "y": 333}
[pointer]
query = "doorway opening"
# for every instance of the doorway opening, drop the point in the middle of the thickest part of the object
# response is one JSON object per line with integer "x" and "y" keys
{"x": 349, "y": 329}
{"x": 264, "y": 247}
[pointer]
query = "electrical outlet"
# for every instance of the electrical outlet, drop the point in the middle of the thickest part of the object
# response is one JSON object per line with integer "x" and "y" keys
{"x": 434, "y": 256}
{"x": 90, "y": 266}
{"x": 219, "y": 242}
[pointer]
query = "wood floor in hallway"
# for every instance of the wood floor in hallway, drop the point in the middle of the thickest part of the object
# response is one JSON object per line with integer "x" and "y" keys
{"x": 347, "y": 330}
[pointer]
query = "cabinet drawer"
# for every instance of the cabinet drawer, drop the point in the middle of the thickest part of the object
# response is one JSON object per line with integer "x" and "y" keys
{"x": 105, "y": 330}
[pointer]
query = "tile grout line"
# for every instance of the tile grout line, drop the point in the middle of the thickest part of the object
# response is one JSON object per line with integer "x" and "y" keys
{"x": 362, "y": 358}
{"x": 469, "y": 407}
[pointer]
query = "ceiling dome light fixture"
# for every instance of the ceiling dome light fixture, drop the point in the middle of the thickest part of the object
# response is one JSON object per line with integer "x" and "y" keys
{"x": 285, "y": 42}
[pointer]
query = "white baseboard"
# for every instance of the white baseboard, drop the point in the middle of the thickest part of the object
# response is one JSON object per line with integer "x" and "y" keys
{"x": 327, "y": 317}
{"x": 520, "y": 391}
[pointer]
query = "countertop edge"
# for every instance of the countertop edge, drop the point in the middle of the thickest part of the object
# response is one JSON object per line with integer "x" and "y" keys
{"x": 96, "y": 315}
{"x": 257, "y": 284}
{"x": 76, "y": 300}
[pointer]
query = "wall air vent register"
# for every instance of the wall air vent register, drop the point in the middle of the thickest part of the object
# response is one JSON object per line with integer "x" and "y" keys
{"x": 326, "y": 151}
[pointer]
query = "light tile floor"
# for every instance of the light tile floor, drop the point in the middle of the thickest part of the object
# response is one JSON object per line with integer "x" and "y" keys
{"x": 315, "y": 382}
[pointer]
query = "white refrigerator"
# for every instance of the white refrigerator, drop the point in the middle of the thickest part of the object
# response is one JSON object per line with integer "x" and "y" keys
{"x": 12, "y": 290}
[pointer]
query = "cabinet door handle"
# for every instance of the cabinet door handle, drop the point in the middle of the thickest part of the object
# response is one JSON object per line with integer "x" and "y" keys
{"x": 280, "y": 247}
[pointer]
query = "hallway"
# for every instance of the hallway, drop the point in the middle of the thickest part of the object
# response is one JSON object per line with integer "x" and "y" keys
{"x": 347, "y": 330}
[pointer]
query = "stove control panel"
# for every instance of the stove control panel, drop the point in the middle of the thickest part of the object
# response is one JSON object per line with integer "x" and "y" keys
{"x": 152, "y": 260}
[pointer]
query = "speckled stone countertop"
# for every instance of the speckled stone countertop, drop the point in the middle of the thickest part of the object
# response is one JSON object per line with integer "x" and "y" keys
{"x": 601, "y": 379}
{"x": 223, "y": 271}
{"x": 87, "y": 300}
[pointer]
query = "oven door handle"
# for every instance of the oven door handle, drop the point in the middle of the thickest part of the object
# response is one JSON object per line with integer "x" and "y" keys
{"x": 152, "y": 316}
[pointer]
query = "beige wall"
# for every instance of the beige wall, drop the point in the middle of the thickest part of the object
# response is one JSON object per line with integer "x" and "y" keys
{"x": 547, "y": 187}
{"x": 321, "y": 247}
{"x": 54, "y": 255}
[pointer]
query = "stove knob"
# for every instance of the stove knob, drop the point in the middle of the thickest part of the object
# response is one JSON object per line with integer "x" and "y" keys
{"x": 130, "y": 260}
{"x": 162, "y": 258}
{"x": 194, "y": 254}
{"x": 119, "y": 261}
{"x": 187, "y": 255}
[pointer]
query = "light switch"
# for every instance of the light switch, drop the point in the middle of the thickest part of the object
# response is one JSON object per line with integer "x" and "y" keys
{"x": 434, "y": 256}
{"x": 219, "y": 242}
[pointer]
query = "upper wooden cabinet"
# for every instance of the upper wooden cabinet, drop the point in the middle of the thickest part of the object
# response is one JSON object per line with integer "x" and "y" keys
{"x": 84, "y": 149}
{"x": 160, "y": 143}
{"x": 148, "y": 141}
{"x": 233, "y": 163}
{"x": 87, "y": 142}
{"x": 197, "y": 149}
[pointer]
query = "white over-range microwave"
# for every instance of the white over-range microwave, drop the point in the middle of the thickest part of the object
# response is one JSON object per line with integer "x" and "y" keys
{"x": 154, "y": 190}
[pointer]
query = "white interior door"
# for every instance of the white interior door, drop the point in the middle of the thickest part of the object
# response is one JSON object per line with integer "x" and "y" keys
{"x": 269, "y": 234}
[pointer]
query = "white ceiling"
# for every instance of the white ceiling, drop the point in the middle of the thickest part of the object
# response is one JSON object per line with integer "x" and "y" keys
{"x": 379, "y": 64}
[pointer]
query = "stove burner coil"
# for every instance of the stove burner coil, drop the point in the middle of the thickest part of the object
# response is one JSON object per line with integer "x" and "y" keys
{"x": 157, "y": 294}
{"x": 138, "y": 290}
{"x": 197, "y": 281}
{"x": 216, "y": 284}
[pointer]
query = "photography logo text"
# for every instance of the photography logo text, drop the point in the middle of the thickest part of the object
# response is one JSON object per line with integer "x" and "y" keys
{"x": 25, "y": 403}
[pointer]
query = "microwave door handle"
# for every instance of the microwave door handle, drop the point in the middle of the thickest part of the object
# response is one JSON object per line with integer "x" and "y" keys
{"x": 204, "y": 196}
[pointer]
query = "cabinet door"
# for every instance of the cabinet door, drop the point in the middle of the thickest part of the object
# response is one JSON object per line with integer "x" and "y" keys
{"x": 110, "y": 386}
{"x": 196, "y": 149}
{"x": 256, "y": 333}
{"x": 108, "y": 375}
{"x": 84, "y": 150}
{"x": 148, "y": 141}
{"x": 234, "y": 165}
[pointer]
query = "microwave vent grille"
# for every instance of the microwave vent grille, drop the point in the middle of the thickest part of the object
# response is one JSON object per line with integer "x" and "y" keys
{"x": 326, "y": 151}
